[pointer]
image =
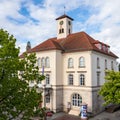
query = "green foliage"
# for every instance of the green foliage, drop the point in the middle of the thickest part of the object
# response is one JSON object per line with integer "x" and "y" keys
{"x": 17, "y": 99}
{"x": 111, "y": 88}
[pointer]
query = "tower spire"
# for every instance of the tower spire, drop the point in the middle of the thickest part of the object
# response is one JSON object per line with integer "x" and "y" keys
{"x": 64, "y": 10}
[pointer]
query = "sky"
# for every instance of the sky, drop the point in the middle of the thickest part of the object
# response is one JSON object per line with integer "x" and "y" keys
{"x": 34, "y": 20}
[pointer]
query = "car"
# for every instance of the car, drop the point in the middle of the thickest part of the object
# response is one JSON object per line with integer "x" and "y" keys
{"x": 49, "y": 113}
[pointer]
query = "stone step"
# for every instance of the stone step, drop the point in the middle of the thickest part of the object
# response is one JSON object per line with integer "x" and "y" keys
{"x": 74, "y": 112}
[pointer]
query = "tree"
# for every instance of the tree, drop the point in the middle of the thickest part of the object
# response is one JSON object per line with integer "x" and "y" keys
{"x": 111, "y": 88}
{"x": 17, "y": 99}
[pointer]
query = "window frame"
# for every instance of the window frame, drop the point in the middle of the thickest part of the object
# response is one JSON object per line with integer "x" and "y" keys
{"x": 105, "y": 64}
{"x": 76, "y": 100}
{"x": 112, "y": 65}
{"x": 42, "y": 62}
{"x": 47, "y": 62}
{"x": 98, "y": 63}
{"x": 82, "y": 79}
{"x": 47, "y": 98}
{"x": 70, "y": 63}
{"x": 47, "y": 79}
{"x": 39, "y": 62}
{"x": 81, "y": 62}
{"x": 98, "y": 78}
{"x": 70, "y": 79}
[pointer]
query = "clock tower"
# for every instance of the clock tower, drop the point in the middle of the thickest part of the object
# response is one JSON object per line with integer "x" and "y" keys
{"x": 64, "y": 26}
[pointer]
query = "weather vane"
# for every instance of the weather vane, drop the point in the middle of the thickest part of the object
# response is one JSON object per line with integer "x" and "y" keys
{"x": 64, "y": 9}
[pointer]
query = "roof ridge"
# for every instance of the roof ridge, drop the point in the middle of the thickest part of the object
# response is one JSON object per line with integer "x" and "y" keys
{"x": 88, "y": 40}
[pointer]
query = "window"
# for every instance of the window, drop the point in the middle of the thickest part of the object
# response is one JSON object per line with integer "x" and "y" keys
{"x": 69, "y": 22}
{"x": 81, "y": 62}
{"x": 98, "y": 78}
{"x": 98, "y": 63}
{"x": 112, "y": 67}
{"x": 39, "y": 82}
{"x": 70, "y": 63}
{"x": 105, "y": 64}
{"x": 76, "y": 100}
{"x": 69, "y": 31}
{"x": 47, "y": 99}
{"x": 62, "y": 30}
{"x": 43, "y": 62}
{"x": 47, "y": 62}
{"x": 70, "y": 79}
{"x": 47, "y": 79}
{"x": 39, "y": 62}
{"x": 82, "y": 79}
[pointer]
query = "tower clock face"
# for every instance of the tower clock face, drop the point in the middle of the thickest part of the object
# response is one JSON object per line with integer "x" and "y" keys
{"x": 61, "y": 22}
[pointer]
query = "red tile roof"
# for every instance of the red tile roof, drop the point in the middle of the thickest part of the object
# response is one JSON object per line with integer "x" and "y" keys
{"x": 80, "y": 41}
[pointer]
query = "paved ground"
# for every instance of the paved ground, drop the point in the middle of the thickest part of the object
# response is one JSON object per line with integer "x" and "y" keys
{"x": 101, "y": 116}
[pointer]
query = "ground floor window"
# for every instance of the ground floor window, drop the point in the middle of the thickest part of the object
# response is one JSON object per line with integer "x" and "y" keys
{"x": 76, "y": 100}
{"x": 47, "y": 99}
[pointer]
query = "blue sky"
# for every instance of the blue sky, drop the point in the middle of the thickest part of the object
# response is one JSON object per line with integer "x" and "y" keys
{"x": 34, "y": 20}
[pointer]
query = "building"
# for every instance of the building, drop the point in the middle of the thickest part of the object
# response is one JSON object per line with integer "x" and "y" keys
{"x": 74, "y": 65}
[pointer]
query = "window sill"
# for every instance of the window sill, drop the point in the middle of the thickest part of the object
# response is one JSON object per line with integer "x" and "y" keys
{"x": 81, "y": 66}
{"x": 70, "y": 67}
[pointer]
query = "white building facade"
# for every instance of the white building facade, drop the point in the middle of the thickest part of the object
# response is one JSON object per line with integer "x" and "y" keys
{"x": 74, "y": 65}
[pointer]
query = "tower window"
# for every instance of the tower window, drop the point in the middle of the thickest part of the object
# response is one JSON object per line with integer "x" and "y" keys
{"x": 69, "y": 31}
{"x": 59, "y": 30}
{"x": 69, "y": 22}
{"x": 62, "y": 30}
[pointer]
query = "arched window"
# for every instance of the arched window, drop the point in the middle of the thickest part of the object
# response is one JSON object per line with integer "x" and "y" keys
{"x": 76, "y": 100}
{"x": 81, "y": 62}
{"x": 62, "y": 30}
{"x": 70, "y": 63}
{"x": 82, "y": 79}
{"x": 43, "y": 62}
{"x": 47, "y": 62}
{"x": 39, "y": 62}
{"x": 47, "y": 79}
{"x": 98, "y": 63}
{"x": 70, "y": 79}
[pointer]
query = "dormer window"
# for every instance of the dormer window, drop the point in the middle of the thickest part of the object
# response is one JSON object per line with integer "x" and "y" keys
{"x": 108, "y": 49}
{"x": 99, "y": 45}
{"x": 104, "y": 48}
